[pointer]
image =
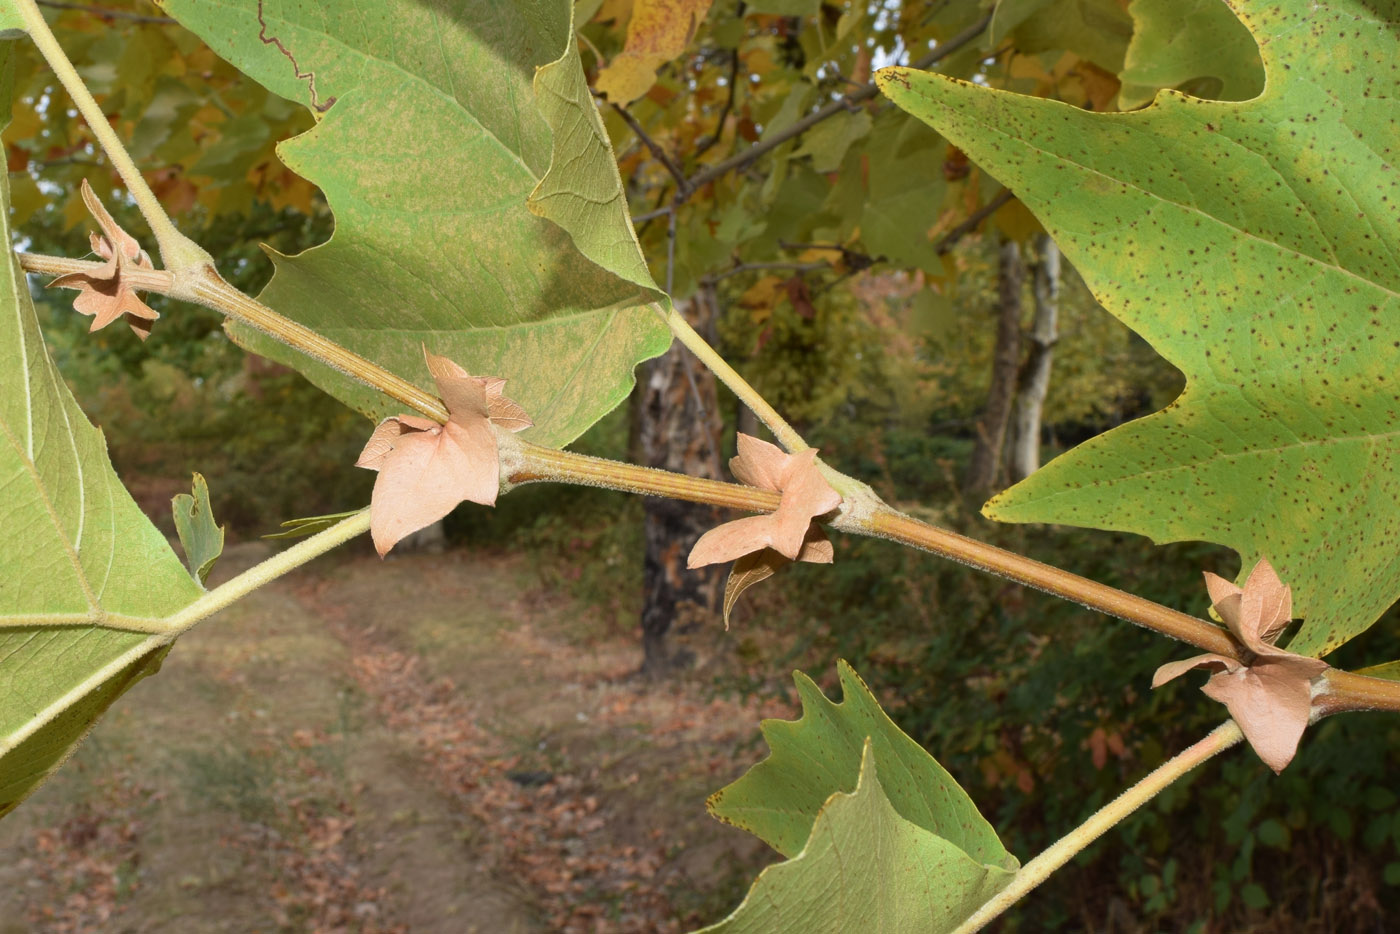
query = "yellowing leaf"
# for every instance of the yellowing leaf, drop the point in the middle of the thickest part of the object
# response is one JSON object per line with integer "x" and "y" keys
{"x": 427, "y": 157}
{"x": 1255, "y": 245}
{"x": 658, "y": 32}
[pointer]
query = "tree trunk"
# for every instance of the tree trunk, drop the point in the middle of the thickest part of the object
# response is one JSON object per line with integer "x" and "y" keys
{"x": 983, "y": 469}
{"x": 1023, "y": 434}
{"x": 677, "y": 428}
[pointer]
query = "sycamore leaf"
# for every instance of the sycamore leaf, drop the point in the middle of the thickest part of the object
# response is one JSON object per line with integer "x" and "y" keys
{"x": 1389, "y": 671}
{"x": 105, "y": 294}
{"x": 1256, "y": 245}
{"x": 582, "y": 191}
{"x": 658, "y": 31}
{"x": 1270, "y": 696}
{"x": 427, "y": 469}
{"x": 805, "y": 495}
{"x": 201, "y": 538}
{"x": 866, "y": 868}
{"x": 779, "y": 799}
{"x": 85, "y": 571}
{"x": 310, "y": 525}
{"x": 427, "y": 145}
{"x": 1197, "y": 46}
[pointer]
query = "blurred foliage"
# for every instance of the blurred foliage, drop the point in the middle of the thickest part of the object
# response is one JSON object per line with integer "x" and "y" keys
{"x": 1039, "y": 707}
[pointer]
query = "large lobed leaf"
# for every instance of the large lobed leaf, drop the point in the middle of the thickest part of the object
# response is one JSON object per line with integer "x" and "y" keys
{"x": 865, "y": 869}
{"x": 428, "y": 144}
{"x": 82, "y": 565}
{"x": 1256, "y": 246}
{"x": 904, "y": 851}
{"x": 778, "y": 799}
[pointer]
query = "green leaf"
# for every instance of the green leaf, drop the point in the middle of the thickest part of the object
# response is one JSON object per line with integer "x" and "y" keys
{"x": 1255, "y": 246}
{"x": 784, "y": 7}
{"x": 202, "y": 540}
{"x": 427, "y": 146}
{"x": 582, "y": 191}
{"x": 864, "y": 869}
{"x": 905, "y": 191}
{"x": 828, "y": 141}
{"x": 297, "y": 528}
{"x": 779, "y": 799}
{"x": 1390, "y": 671}
{"x": 84, "y": 569}
{"x": 1197, "y": 46}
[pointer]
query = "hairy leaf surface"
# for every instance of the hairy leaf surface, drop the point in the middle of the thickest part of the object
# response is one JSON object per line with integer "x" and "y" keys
{"x": 80, "y": 557}
{"x": 820, "y": 754}
{"x": 428, "y": 143}
{"x": 866, "y": 868}
{"x": 1256, "y": 246}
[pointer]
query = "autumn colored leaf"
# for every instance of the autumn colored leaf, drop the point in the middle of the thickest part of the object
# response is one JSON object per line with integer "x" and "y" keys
{"x": 85, "y": 571}
{"x": 1255, "y": 245}
{"x": 658, "y": 32}
{"x": 428, "y": 143}
{"x": 849, "y": 836}
{"x": 200, "y": 536}
{"x": 426, "y": 469}
{"x": 1270, "y": 696}
{"x": 105, "y": 294}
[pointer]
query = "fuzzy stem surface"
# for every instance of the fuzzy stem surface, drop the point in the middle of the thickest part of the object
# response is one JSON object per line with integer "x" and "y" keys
{"x": 177, "y": 252}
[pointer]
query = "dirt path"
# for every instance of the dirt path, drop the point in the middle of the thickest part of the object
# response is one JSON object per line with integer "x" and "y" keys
{"x": 430, "y": 744}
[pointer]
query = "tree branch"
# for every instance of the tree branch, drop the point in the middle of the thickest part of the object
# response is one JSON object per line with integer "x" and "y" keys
{"x": 661, "y": 154}
{"x": 1341, "y": 690}
{"x": 864, "y": 93}
{"x": 971, "y": 222}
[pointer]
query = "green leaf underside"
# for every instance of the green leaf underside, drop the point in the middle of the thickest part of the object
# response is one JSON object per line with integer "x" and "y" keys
{"x": 1255, "y": 245}
{"x": 1389, "y": 671}
{"x": 866, "y": 869}
{"x": 582, "y": 191}
{"x": 427, "y": 156}
{"x": 201, "y": 538}
{"x": 1196, "y": 45}
{"x": 78, "y": 553}
{"x": 820, "y": 754}
{"x": 310, "y": 525}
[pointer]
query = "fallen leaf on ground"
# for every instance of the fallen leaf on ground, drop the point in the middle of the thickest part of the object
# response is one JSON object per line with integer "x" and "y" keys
{"x": 1270, "y": 695}
{"x": 760, "y": 545}
{"x": 426, "y": 469}
{"x": 104, "y": 293}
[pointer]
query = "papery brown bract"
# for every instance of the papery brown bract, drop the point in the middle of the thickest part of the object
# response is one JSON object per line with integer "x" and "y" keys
{"x": 427, "y": 469}
{"x": 104, "y": 294}
{"x": 762, "y": 544}
{"x": 1270, "y": 696}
